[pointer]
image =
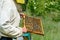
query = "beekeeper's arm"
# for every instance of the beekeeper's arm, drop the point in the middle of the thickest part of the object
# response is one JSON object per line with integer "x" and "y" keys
{"x": 6, "y": 27}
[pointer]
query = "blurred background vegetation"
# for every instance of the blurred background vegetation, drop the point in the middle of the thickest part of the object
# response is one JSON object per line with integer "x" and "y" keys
{"x": 49, "y": 12}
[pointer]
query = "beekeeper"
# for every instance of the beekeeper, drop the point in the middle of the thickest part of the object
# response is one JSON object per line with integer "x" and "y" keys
{"x": 9, "y": 21}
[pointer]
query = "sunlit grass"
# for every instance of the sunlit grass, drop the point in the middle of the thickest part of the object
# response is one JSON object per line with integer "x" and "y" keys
{"x": 51, "y": 30}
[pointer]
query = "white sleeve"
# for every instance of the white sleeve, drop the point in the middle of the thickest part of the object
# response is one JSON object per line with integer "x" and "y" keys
{"x": 5, "y": 24}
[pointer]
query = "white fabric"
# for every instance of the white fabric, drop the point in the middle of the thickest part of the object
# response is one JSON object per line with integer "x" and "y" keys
{"x": 9, "y": 19}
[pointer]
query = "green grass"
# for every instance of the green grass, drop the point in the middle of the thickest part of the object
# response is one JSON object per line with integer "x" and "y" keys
{"x": 51, "y": 30}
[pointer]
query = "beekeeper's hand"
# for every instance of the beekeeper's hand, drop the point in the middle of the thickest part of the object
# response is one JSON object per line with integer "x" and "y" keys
{"x": 22, "y": 15}
{"x": 24, "y": 29}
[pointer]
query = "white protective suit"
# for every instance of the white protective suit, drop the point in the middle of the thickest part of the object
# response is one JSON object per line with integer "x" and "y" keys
{"x": 9, "y": 19}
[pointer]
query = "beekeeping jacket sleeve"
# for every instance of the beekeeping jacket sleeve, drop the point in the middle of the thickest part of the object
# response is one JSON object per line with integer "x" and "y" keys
{"x": 9, "y": 19}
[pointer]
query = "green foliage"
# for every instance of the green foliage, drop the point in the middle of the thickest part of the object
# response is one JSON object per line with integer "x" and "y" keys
{"x": 36, "y": 7}
{"x": 56, "y": 18}
{"x": 43, "y": 7}
{"x": 52, "y": 6}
